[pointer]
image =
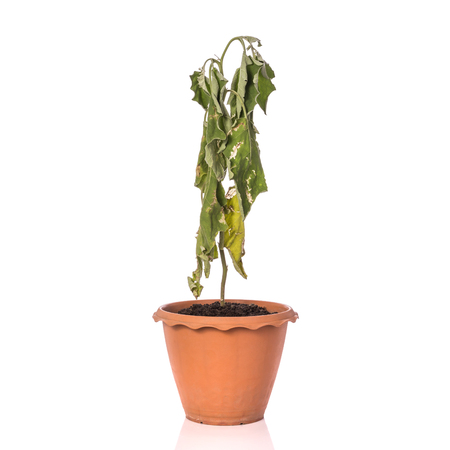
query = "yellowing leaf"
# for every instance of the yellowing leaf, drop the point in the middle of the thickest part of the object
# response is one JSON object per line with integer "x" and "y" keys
{"x": 234, "y": 236}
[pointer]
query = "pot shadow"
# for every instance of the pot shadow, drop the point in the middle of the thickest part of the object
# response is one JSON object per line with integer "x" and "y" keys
{"x": 195, "y": 436}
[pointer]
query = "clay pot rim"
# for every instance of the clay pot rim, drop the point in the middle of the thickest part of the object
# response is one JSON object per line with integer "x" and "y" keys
{"x": 284, "y": 314}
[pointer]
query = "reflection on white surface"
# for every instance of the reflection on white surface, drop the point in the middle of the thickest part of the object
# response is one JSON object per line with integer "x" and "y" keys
{"x": 195, "y": 436}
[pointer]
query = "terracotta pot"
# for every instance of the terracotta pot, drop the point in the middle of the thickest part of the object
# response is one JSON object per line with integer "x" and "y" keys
{"x": 225, "y": 367}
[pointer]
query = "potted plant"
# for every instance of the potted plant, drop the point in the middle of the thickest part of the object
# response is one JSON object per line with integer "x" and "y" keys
{"x": 225, "y": 354}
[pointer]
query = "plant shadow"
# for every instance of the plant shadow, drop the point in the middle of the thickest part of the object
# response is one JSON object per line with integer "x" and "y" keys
{"x": 195, "y": 436}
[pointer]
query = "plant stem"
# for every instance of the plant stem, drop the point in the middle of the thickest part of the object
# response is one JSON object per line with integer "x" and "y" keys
{"x": 224, "y": 269}
{"x": 221, "y": 236}
{"x": 213, "y": 60}
{"x": 226, "y": 48}
{"x": 241, "y": 100}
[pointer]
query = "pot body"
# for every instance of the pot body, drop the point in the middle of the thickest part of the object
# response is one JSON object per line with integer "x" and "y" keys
{"x": 225, "y": 367}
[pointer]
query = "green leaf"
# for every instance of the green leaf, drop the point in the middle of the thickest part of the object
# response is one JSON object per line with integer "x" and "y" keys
{"x": 206, "y": 257}
{"x": 255, "y": 180}
{"x": 215, "y": 128}
{"x": 242, "y": 82}
{"x": 244, "y": 164}
{"x": 252, "y": 91}
{"x": 222, "y": 82}
{"x": 265, "y": 85}
{"x": 218, "y": 86}
{"x": 238, "y": 147}
{"x": 234, "y": 236}
{"x": 232, "y": 101}
{"x": 215, "y": 160}
{"x": 207, "y": 268}
{"x": 256, "y": 60}
{"x": 201, "y": 171}
{"x": 267, "y": 71}
{"x": 201, "y": 94}
{"x": 218, "y": 125}
{"x": 203, "y": 81}
{"x": 258, "y": 86}
{"x": 212, "y": 218}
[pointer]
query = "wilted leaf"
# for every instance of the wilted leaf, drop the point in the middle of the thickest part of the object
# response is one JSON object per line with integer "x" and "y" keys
{"x": 228, "y": 143}
{"x": 215, "y": 160}
{"x": 252, "y": 90}
{"x": 255, "y": 179}
{"x": 242, "y": 82}
{"x": 245, "y": 165}
{"x": 232, "y": 101}
{"x": 215, "y": 128}
{"x": 265, "y": 85}
{"x": 201, "y": 94}
{"x": 267, "y": 71}
{"x": 201, "y": 171}
{"x": 195, "y": 287}
{"x": 194, "y": 281}
{"x": 234, "y": 236}
{"x": 251, "y": 40}
{"x": 212, "y": 217}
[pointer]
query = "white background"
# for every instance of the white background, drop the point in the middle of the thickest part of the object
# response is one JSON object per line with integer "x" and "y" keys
{"x": 98, "y": 214}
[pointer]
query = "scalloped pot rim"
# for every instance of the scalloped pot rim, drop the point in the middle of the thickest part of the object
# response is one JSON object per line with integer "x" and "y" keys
{"x": 168, "y": 315}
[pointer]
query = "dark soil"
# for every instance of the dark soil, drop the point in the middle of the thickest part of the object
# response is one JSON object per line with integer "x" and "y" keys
{"x": 228, "y": 310}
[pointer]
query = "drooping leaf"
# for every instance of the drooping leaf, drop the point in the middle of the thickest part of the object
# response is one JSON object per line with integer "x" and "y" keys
{"x": 257, "y": 61}
{"x": 218, "y": 124}
{"x": 212, "y": 218}
{"x": 199, "y": 87}
{"x": 245, "y": 164}
{"x": 226, "y": 118}
{"x": 265, "y": 85}
{"x": 255, "y": 179}
{"x": 217, "y": 82}
{"x": 238, "y": 147}
{"x": 220, "y": 91}
{"x": 201, "y": 170}
{"x": 207, "y": 262}
{"x": 252, "y": 90}
{"x": 215, "y": 128}
{"x": 206, "y": 257}
{"x": 221, "y": 197}
{"x": 242, "y": 82}
{"x": 232, "y": 101}
{"x": 263, "y": 80}
{"x": 267, "y": 71}
{"x": 203, "y": 81}
{"x": 197, "y": 274}
{"x": 234, "y": 236}
{"x": 195, "y": 287}
{"x": 215, "y": 160}
{"x": 194, "y": 281}
{"x": 251, "y": 40}
{"x": 258, "y": 86}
